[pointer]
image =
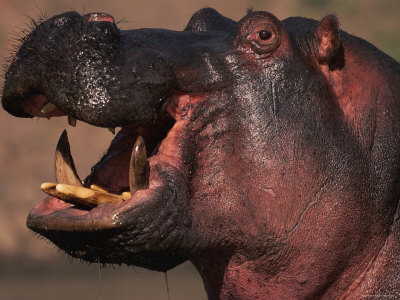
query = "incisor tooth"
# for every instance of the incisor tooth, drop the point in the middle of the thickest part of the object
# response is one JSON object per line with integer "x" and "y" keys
{"x": 138, "y": 166}
{"x": 47, "y": 185}
{"x": 80, "y": 192}
{"x": 79, "y": 195}
{"x": 126, "y": 196}
{"x": 64, "y": 163}
{"x": 97, "y": 188}
{"x": 71, "y": 121}
{"x": 48, "y": 107}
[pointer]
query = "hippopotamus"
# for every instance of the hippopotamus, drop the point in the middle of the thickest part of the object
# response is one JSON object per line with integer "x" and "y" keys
{"x": 265, "y": 152}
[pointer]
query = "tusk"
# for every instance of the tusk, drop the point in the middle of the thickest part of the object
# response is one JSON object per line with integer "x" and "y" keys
{"x": 71, "y": 121}
{"x": 79, "y": 195}
{"x": 64, "y": 163}
{"x": 48, "y": 108}
{"x": 138, "y": 166}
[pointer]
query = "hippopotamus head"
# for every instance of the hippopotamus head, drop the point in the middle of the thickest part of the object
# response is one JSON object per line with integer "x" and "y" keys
{"x": 266, "y": 152}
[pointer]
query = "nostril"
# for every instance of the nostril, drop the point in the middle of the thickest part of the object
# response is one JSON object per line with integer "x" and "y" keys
{"x": 99, "y": 17}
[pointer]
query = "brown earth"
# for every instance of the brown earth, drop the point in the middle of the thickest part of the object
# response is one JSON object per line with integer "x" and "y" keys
{"x": 30, "y": 267}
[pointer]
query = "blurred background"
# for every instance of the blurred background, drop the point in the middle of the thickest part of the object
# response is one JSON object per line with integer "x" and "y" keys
{"x": 31, "y": 267}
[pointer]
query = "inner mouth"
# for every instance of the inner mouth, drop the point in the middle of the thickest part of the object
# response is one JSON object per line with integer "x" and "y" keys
{"x": 122, "y": 176}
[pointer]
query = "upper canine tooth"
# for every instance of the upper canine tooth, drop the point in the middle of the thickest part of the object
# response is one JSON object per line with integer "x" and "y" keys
{"x": 138, "y": 166}
{"x": 71, "y": 121}
{"x": 64, "y": 163}
{"x": 48, "y": 107}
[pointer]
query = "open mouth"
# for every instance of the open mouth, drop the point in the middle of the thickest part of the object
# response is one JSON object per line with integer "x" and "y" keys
{"x": 126, "y": 177}
{"x": 133, "y": 206}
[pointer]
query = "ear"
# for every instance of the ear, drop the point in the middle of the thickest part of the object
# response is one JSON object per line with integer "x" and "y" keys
{"x": 327, "y": 39}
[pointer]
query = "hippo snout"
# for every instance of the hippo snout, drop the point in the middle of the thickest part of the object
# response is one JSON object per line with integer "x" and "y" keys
{"x": 82, "y": 63}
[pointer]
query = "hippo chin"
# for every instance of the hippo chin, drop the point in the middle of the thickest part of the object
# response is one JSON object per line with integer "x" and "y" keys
{"x": 266, "y": 152}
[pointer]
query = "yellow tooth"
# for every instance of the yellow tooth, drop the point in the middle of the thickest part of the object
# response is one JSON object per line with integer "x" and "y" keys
{"x": 79, "y": 195}
{"x": 97, "y": 188}
{"x": 126, "y": 196}
{"x": 64, "y": 164}
{"x": 49, "y": 188}
{"x": 48, "y": 107}
{"x": 47, "y": 185}
{"x": 79, "y": 192}
{"x": 71, "y": 121}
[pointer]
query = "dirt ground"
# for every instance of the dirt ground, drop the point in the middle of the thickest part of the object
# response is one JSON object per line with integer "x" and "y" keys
{"x": 32, "y": 268}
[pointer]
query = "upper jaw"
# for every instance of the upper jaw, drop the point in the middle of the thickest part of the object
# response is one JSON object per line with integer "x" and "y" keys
{"x": 85, "y": 66}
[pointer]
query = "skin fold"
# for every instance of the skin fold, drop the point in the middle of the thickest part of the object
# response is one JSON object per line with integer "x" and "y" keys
{"x": 273, "y": 150}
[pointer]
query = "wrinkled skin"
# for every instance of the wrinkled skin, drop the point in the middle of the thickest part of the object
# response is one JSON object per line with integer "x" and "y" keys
{"x": 274, "y": 150}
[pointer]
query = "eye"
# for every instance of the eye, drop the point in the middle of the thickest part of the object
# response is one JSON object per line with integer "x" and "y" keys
{"x": 261, "y": 34}
{"x": 265, "y": 34}
{"x": 264, "y": 37}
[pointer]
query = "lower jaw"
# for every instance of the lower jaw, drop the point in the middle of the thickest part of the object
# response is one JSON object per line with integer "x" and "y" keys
{"x": 139, "y": 231}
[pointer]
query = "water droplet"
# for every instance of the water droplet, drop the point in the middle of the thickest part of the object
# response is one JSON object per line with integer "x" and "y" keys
{"x": 98, "y": 263}
{"x": 166, "y": 282}
{"x": 134, "y": 273}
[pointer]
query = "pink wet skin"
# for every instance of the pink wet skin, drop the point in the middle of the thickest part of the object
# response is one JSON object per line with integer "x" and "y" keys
{"x": 99, "y": 17}
{"x": 34, "y": 104}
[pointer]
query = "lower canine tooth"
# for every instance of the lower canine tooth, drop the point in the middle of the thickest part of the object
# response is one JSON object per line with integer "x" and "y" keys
{"x": 138, "y": 166}
{"x": 79, "y": 195}
{"x": 71, "y": 121}
{"x": 64, "y": 163}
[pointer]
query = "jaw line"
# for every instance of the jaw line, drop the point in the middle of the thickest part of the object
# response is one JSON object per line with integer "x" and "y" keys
{"x": 154, "y": 220}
